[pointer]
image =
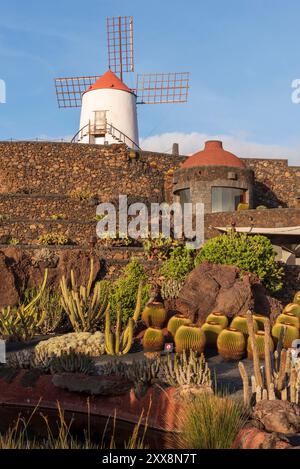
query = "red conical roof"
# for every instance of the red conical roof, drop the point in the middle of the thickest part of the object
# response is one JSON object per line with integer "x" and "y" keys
{"x": 213, "y": 155}
{"x": 109, "y": 80}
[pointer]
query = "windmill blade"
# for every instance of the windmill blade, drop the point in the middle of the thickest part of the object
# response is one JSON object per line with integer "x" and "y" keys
{"x": 159, "y": 88}
{"x": 69, "y": 90}
{"x": 120, "y": 44}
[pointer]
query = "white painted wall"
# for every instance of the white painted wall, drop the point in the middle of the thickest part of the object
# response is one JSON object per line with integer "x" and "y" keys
{"x": 121, "y": 113}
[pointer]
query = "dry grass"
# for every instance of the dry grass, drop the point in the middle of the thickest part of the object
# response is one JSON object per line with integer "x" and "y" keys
{"x": 210, "y": 422}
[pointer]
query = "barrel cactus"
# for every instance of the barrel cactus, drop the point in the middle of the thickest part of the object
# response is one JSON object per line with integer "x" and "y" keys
{"x": 218, "y": 318}
{"x": 297, "y": 298}
{"x": 211, "y": 331}
{"x": 260, "y": 321}
{"x": 260, "y": 343}
{"x": 293, "y": 308}
{"x": 189, "y": 337}
{"x": 288, "y": 318}
{"x": 176, "y": 321}
{"x": 153, "y": 340}
{"x": 231, "y": 344}
{"x": 154, "y": 314}
{"x": 239, "y": 322}
{"x": 291, "y": 334}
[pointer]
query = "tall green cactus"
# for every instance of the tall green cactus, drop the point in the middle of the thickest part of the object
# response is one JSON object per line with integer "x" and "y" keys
{"x": 22, "y": 322}
{"x": 118, "y": 342}
{"x": 85, "y": 306}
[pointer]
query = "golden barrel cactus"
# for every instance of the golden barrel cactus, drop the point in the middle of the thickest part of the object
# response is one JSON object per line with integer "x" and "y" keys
{"x": 239, "y": 322}
{"x": 189, "y": 337}
{"x": 231, "y": 344}
{"x": 218, "y": 318}
{"x": 260, "y": 343}
{"x": 153, "y": 340}
{"x": 260, "y": 321}
{"x": 293, "y": 308}
{"x": 176, "y": 321}
{"x": 288, "y": 318}
{"x": 292, "y": 333}
{"x": 297, "y": 298}
{"x": 211, "y": 331}
{"x": 154, "y": 314}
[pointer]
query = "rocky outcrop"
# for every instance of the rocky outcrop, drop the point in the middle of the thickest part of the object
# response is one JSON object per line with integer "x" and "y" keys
{"x": 20, "y": 270}
{"x": 226, "y": 289}
{"x": 278, "y": 416}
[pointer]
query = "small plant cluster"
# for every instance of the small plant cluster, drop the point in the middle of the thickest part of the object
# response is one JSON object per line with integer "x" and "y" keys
{"x": 81, "y": 194}
{"x": 253, "y": 254}
{"x": 179, "y": 264}
{"x": 57, "y": 216}
{"x": 159, "y": 248}
{"x": 80, "y": 342}
{"x": 54, "y": 238}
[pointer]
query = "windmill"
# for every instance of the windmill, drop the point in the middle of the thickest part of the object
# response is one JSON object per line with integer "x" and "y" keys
{"x": 108, "y": 106}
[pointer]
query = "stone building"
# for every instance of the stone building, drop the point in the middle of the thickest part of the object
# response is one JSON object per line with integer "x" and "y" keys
{"x": 216, "y": 178}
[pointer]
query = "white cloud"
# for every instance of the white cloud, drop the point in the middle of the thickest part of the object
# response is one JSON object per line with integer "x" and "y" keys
{"x": 194, "y": 141}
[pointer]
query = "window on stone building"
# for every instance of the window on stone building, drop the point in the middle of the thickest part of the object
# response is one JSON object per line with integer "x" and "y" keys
{"x": 226, "y": 199}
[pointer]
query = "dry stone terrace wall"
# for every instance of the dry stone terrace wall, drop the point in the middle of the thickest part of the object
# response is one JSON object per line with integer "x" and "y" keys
{"x": 276, "y": 183}
{"x": 58, "y": 168}
{"x": 41, "y": 207}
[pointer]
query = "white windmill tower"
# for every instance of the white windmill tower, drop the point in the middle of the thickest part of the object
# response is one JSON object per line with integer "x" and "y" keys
{"x": 108, "y": 105}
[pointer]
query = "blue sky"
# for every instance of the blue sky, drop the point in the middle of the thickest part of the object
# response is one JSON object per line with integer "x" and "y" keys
{"x": 242, "y": 55}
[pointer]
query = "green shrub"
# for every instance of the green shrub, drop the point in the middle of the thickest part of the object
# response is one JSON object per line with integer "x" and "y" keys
{"x": 250, "y": 253}
{"x": 124, "y": 291}
{"x": 179, "y": 264}
{"x": 210, "y": 422}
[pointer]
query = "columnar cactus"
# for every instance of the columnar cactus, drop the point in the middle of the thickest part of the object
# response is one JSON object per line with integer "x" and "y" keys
{"x": 85, "y": 305}
{"x": 116, "y": 341}
{"x": 260, "y": 343}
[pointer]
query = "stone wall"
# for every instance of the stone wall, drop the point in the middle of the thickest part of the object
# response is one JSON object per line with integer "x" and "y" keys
{"x": 276, "y": 183}
{"x": 41, "y": 207}
{"x": 281, "y": 217}
{"x": 57, "y": 168}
